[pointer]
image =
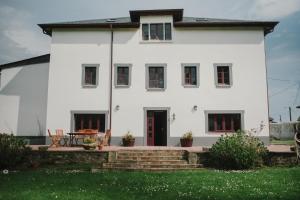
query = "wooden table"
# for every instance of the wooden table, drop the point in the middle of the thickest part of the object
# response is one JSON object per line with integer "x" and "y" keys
{"x": 74, "y": 134}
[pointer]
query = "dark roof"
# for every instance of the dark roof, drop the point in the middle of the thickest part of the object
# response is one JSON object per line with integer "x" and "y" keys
{"x": 179, "y": 21}
{"x": 34, "y": 60}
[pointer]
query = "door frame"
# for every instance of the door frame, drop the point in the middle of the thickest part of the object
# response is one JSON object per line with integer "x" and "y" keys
{"x": 72, "y": 128}
{"x": 145, "y": 122}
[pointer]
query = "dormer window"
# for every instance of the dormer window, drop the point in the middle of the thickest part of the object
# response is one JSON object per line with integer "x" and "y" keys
{"x": 157, "y": 31}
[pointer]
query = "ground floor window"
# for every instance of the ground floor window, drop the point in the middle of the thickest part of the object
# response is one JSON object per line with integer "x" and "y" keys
{"x": 227, "y": 122}
{"x": 89, "y": 121}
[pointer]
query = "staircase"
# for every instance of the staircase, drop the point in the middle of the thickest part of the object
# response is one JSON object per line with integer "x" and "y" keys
{"x": 151, "y": 160}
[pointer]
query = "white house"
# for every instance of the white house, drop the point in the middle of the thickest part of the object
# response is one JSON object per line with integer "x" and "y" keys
{"x": 156, "y": 74}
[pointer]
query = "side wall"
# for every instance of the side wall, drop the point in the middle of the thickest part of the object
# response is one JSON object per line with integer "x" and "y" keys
{"x": 23, "y": 100}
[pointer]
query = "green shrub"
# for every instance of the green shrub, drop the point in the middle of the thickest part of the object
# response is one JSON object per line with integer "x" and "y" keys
{"x": 13, "y": 151}
{"x": 237, "y": 151}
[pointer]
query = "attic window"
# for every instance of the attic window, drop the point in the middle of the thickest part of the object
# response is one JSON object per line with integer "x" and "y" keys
{"x": 157, "y": 31}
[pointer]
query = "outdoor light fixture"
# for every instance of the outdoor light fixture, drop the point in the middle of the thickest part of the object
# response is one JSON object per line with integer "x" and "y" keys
{"x": 117, "y": 107}
{"x": 174, "y": 116}
{"x": 195, "y": 107}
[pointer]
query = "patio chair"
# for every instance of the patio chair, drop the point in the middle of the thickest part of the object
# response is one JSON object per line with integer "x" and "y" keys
{"x": 54, "y": 139}
{"x": 106, "y": 140}
{"x": 62, "y": 137}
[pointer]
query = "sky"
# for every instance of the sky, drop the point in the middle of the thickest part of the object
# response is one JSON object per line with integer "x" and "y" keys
{"x": 21, "y": 38}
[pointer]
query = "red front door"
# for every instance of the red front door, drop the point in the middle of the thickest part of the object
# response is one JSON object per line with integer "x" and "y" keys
{"x": 150, "y": 128}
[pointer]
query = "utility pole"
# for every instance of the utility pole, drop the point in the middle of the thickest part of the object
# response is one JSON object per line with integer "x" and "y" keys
{"x": 290, "y": 111}
{"x": 280, "y": 118}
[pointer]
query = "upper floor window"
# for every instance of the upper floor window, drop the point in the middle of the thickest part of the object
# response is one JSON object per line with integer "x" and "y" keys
{"x": 223, "y": 75}
{"x": 228, "y": 122}
{"x": 157, "y": 31}
{"x": 90, "y": 75}
{"x": 190, "y": 75}
{"x": 156, "y": 77}
{"x": 122, "y": 75}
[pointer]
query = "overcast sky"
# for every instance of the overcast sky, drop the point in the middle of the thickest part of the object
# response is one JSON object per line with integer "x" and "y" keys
{"x": 21, "y": 38}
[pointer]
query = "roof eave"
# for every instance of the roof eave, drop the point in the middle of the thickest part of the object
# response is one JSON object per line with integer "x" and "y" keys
{"x": 47, "y": 28}
{"x": 267, "y": 26}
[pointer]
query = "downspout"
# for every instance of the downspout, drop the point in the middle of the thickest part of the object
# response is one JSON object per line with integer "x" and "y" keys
{"x": 111, "y": 71}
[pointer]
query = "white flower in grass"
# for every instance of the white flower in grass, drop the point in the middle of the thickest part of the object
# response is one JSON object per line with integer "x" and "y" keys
{"x": 5, "y": 171}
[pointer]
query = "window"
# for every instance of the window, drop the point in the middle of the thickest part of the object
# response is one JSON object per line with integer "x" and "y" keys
{"x": 89, "y": 121}
{"x": 122, "y": 75}
{"x": 223, "y": 75}
{"x": 156, "y": 77}
{"x": 158, "y": 31}
{"x": 190, "y": 75}
{"x": 90, "y": 75}
{"x": 228, "y": 122}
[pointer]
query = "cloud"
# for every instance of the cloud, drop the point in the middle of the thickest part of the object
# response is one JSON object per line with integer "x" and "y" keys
{"x": 20, "y": 37}
{"x": 274, "y": 9}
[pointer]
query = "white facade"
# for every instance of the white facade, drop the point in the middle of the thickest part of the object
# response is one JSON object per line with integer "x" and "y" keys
{"x": 242, "y": 48}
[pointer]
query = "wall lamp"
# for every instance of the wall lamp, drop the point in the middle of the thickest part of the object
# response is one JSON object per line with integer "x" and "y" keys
{"x": 195, "y": 107}
{"x": 117, "y": 107}
{"x": 173, "y": 116}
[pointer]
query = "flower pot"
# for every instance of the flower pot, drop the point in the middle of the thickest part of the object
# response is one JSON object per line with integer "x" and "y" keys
{"x": 91, "y": 146}
{"x": 186, "y": 142}
{"x": 128, "y": 143}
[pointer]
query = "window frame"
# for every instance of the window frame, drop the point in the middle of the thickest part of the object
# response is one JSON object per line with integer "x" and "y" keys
{"x": 116, "y": 66}
{"x": 229, "y": 65}
{"x": 164, "y": 66}
{"x": 207, "y": 112}
{"x": 163, "y": 33}
{"x": 83, "y": 84}
{"x": 197, "y": 65}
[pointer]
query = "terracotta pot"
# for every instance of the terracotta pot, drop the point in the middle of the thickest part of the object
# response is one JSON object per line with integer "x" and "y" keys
{"x": 128, "y": 143}
{"x": 186, "y": 142}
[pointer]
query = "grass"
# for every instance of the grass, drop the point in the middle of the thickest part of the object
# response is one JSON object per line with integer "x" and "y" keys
{"x": 267, "y": 183}
{"x": 283, "y": 142}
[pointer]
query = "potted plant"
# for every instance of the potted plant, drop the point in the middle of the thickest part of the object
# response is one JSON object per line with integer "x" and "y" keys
{"x": 128, "y": 140}
{"x": 187, "y": 139}
{"x": 89, "y": 143}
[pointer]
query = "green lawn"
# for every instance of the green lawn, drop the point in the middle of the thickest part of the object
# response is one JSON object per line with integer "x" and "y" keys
{"x": 268, "y": 183}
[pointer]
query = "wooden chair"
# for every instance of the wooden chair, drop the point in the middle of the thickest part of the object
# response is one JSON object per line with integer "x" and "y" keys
{"x": 54, "y": 139}
{"x": 106, "y": 140}
{"x": 62, "y": 137}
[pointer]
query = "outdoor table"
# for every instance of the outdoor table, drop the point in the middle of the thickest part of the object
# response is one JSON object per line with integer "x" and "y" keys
{"x": 74, "y": 134}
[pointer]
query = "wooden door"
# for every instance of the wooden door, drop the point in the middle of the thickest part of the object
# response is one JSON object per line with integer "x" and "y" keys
{"x": 150, "y": 128}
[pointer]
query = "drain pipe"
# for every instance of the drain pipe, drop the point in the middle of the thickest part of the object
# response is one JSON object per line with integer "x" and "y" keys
{"x": 111, "y": 71}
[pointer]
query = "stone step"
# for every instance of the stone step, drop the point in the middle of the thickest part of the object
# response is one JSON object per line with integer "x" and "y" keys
{"x": 148, "y": 162}
{"x": 146, "y": 158}
{"x": 150, "y": 153}
{"x": 151, "y": 169}
{"x": 141, "y": 166}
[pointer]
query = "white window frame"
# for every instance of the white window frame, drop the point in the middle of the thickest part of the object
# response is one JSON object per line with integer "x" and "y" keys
{"x": 164, "y": 34}
{"x": 216, "y": 65}
{"x": 197, "y": 65}
{"x": 164, "y": 65}
{"x": 116, "y": 65}
{"x": 83, "y": 75}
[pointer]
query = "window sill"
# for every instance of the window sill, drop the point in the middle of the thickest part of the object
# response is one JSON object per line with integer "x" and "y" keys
{"x": 155, "y": 41}
{"x": 223, "y": 86}
{"x": 190, "y": 86}
{"x": 89, "y": 86}
{"x": 156, "y": 89}
{"x": 122, "y": 86}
